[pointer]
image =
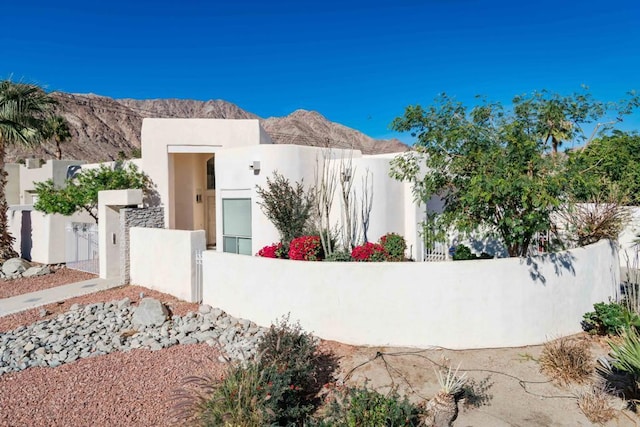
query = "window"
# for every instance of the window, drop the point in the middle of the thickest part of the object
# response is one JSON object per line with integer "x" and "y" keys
{"x": 236, "y": 226}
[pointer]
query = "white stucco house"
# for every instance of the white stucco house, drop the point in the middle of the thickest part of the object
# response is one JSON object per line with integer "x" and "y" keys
{"x": 206, "y": 172}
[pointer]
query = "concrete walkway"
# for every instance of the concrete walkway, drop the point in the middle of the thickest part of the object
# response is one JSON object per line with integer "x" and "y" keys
{"x": 56, "y": 294}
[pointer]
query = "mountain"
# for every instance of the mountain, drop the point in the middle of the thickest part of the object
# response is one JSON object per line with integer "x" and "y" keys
{"x": 103, "y": 128}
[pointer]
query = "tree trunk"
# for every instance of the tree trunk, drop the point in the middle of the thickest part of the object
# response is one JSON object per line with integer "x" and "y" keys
{"x": 6, "y": 240}
{"x": 58, "y": 150}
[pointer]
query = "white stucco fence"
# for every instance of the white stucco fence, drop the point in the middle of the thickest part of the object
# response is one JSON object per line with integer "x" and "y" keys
{"x": 165, "y": 260}
{"x": 459, "y": 305}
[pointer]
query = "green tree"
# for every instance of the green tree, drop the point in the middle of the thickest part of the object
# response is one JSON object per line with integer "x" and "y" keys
{"x": 610, "y": 162}
{"x": 81, "y": 192}
{"x": 491, "y": 165}
{"x": 56, "y": 128}
{"x": 23, "y": 108}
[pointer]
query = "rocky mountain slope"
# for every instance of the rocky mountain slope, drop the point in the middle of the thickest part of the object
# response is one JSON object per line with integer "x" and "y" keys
{"x": 103, "y": 128}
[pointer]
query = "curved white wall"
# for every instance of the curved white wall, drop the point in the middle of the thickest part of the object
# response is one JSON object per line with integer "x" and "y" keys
{"x": 468, "y": 304}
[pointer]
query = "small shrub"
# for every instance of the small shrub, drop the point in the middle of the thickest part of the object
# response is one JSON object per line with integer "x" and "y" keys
{"x": 271, "y": 251}
{"x": 595, "y": 404}
{"x": 299, "y": 370}
{"x": 369, "y": 252}
{"x": 626, "y": 354}
{"x": 238, "y": 398}
{"x": 306, "y": 248}
{"x": 394, "y": 245}
{"x": 362, "y": 407}
{"x": 463, "y": 253}
{"x": 606, "y": 319}
{"x": 566, "y": 360}
{"x": 339, "y": 256}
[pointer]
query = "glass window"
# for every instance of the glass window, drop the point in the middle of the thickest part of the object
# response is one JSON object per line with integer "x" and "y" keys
{"x": 236, "y": 226}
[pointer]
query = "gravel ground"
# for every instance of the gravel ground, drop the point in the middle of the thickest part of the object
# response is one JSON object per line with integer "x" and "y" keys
{"x": 24, "y": 285}
{"x": 119, "y": 389}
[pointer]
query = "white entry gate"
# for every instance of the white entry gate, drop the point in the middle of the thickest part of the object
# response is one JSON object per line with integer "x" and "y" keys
{"x": 82, "y": 246}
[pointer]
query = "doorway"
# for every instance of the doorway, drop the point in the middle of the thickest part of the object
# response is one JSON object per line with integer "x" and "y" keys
{"x": 210, "y": 203}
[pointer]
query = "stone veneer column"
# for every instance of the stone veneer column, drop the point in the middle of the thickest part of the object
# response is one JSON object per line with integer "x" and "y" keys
{"x": 150, "y": 217}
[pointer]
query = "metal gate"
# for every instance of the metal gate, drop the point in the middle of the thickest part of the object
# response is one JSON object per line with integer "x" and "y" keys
{"x": 82, "y": 246}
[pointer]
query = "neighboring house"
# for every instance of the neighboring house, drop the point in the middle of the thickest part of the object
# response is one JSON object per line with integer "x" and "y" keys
{"x": 206, "y": 172}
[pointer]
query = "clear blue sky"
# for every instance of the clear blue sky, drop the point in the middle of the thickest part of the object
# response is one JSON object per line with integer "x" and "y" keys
{"x": 358, "y": 63}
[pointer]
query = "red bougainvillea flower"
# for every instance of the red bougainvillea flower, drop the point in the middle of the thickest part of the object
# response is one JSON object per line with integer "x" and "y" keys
{"x": 270, "y": 251}
{"x": 369, "y": 252}
{"x": 306, "y": 248}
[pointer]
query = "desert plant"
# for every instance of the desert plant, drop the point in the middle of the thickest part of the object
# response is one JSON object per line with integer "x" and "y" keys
{"x": 442, "y": 409}
{"x": 359, "y": 406}
{"x": 394, "y": 245}
{"x": 299, "y": 370}
{"x": 369, "y": 252}
{"x": 566, "y": 360}
{"x": 595, "y": 404}
{"x": 626, "y": 354}
{"x": 239, "y": 398}
{"x": 306, "y": 248}
{"x": 339, "y": 256}
{"x": 609, "y": 319}
{"x": 603, "y": 218}
{"x": 287, "y": 206}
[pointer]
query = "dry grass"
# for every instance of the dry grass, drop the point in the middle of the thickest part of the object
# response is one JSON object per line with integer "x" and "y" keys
{"x": 567, "y": 360}
{"x": 595, "y": 403}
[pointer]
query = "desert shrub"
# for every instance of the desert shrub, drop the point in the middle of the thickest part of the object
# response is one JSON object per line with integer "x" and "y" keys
{"x": 567, "y": 360}
{"x": 339, "y": 256}
{"x": 590, "y": 222}
{"x": 595, "y": 404}
{"x": 271, "y": 251}
{"x": 300, "y": 370}
{"x": 608, "y": 319}
{"x": 287, "y": 206}
{"x": 369, "y": 252}
{"x": 351, "y": 407}
{"x": 306, "y": 248}
{"x": 626, "y": 354}
{"x": 395, "y": 246}
{"x": 238, "y": 398}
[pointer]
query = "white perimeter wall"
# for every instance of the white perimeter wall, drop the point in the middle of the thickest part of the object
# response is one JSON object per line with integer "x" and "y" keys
{"x": 628, "y": 247}
{"x": 164, "y": 260}
{"x": 466, "y": 304}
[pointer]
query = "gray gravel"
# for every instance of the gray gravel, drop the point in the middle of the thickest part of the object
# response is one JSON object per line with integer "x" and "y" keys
{"x": 103, "y": 328}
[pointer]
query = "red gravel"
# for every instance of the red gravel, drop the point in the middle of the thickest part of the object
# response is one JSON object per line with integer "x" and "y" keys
{"x": 118, "y": 389}
{"x": 24, "y": 285}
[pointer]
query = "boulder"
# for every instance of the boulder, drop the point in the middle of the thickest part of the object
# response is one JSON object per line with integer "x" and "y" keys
{"x": 15, "y": 266}
{"x": 37, "y": 270}
{"x": 150, "y": 312}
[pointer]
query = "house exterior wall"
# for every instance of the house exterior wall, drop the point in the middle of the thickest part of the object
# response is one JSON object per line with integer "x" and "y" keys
{"x": 505, "y": 302}
{"x": 12, "y": 188}
{"x": 393, "y": 209}
{"x": 162, "y": 137}
{"x": 52, "y": 169}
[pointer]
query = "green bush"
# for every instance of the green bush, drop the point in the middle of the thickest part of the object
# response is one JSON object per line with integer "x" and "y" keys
{"x": 294, "y": 357}
{"x": 626, "y": 355}
{"x": 463, "y": 253}
{"x": 355, "y": 407}
{"x": 339, "y": 256}
{"x": 606, "y": 319}
{"x": 394, "y": 245}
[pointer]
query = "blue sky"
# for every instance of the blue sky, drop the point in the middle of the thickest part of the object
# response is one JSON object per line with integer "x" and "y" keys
{"x": 358, "y": 63}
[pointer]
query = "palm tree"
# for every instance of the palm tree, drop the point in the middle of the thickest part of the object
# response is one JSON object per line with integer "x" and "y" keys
{"x": 23, "y": 109}
{"x": 57, "y": 128}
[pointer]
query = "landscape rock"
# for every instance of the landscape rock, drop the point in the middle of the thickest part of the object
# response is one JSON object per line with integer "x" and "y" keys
{"x": 150, "y": 312}
{"x": 37, "y": 270}
{"x": 15, "y": 266}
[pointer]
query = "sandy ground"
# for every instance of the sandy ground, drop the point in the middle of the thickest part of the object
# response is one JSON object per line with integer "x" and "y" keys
{"x": 509, "y": 388}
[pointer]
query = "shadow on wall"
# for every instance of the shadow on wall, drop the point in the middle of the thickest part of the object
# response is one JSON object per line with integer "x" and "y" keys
{"x": 26, "y": 242}
{"x": 562, "y": 262}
